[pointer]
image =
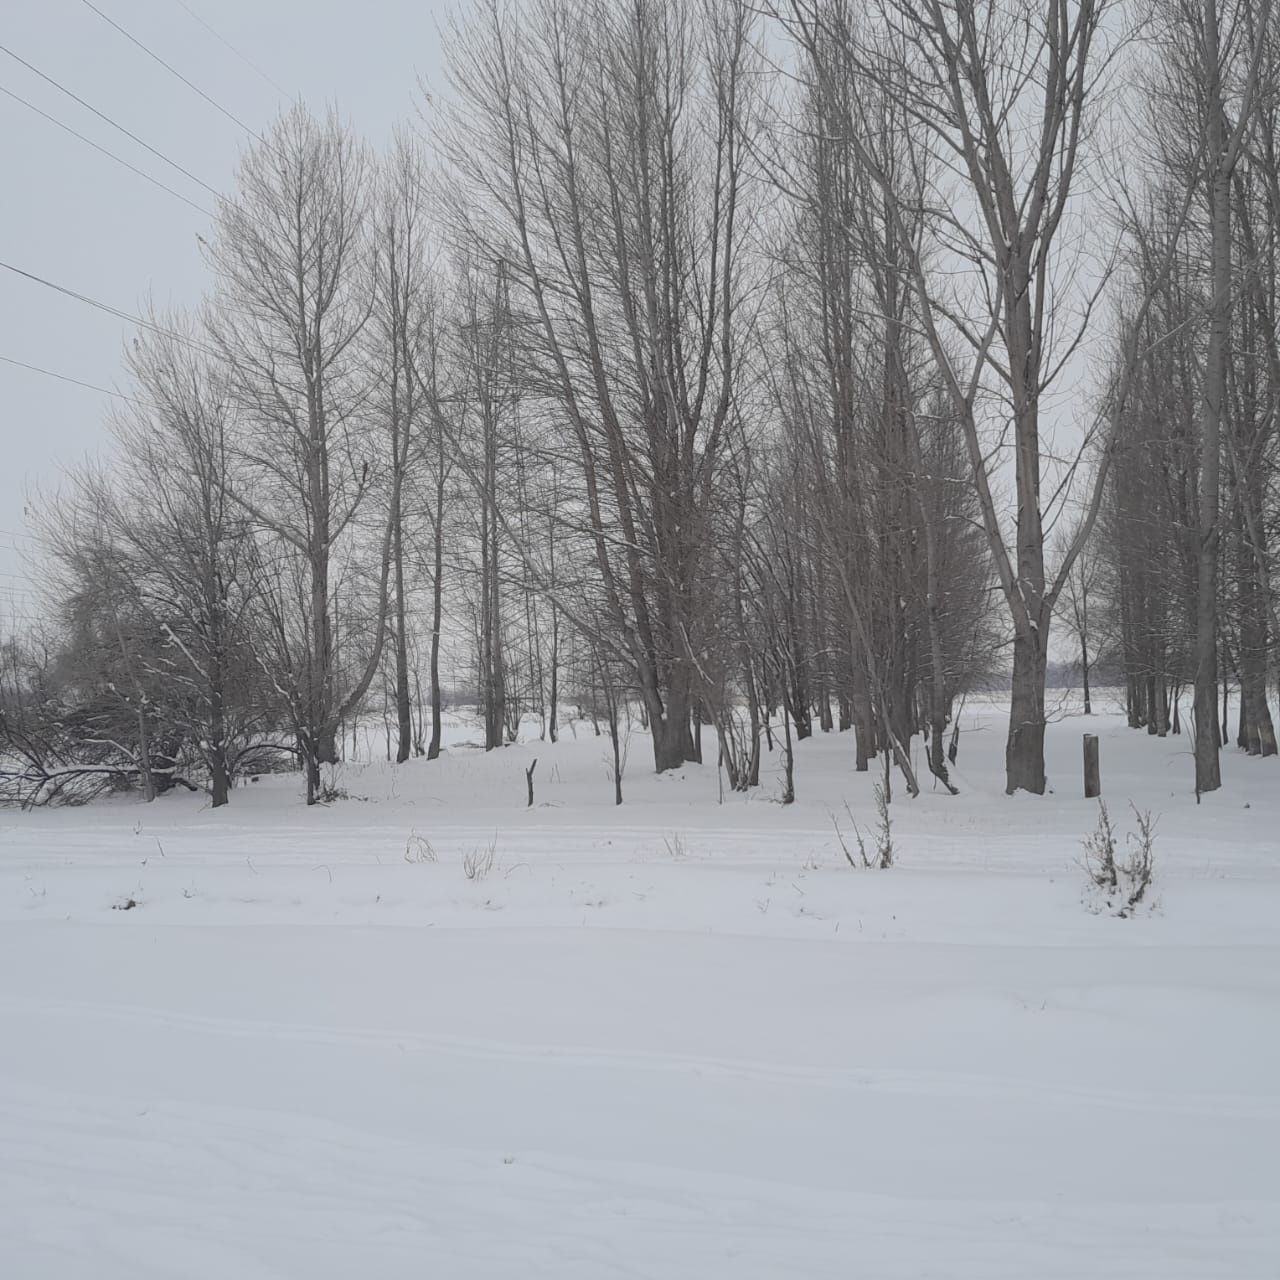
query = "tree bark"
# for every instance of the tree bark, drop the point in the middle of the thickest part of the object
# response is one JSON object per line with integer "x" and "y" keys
{"x": 404, "y": 716}
{"x": 1207, "y": 764}
{"x": 1024, "y": 750}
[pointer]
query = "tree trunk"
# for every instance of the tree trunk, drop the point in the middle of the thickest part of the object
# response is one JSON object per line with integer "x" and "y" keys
{"x": 553, "y": 725}
{"x": 753, "y": 713}
{"x": 845, "y": 720}
{"x": 788, "y": 761}
{"x": 864, "y": 730}
{"x": 1207, "y": 764}
{"x": 219, "y": 780}
{"x": 219, "y": 774}
{"x": 1024, "y": 752}
{"x": 617, "y": 753}
{"x": 311, "y": 764}
{"x": 437, "y": 603}
{"x": 1084, "y": 673}
{"x": 669, "y": 717}
{"x": 144, "y": 758}
{"x": 670, "y": 735}
{"x": 404, "y": 718}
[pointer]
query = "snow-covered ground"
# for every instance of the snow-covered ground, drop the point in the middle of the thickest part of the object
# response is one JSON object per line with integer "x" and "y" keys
{"x": 676, "y": 1039}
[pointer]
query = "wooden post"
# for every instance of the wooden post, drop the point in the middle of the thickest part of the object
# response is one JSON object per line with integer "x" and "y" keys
{"x": 1092, "y": 770}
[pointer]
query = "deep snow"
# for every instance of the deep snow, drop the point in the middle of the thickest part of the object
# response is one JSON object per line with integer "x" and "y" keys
{"x": 676, "y": 1039}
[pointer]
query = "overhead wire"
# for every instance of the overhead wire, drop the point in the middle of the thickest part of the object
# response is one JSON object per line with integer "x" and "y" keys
{"x": 213, "y": 102}
{"x": 102, "y": 115}
{"x": 110, "y": 154}
{"x": 249, "y": 62}
{"x": 153, "y": 405}
{"x": 109, "y": 309}
{"x": 73, "y": 293}
{"x": 7, "y": 590}
{"x": 62, "y": 377}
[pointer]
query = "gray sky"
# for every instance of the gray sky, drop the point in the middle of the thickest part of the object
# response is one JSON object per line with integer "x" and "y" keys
{"x": 71, "y": 215}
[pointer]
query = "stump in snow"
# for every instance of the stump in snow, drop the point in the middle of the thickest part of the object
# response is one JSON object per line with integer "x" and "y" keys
{"x": 1092, "y": 768}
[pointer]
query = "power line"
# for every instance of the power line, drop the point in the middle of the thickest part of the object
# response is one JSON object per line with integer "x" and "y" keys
{"x": 109, "y": 309}
{"x": 253, "y": 66}
{"x": 62, "y": 377}
{"x": 173, "y": 71}
{"x": 111, "y": 154}
{"x": 75, "y": 97}
{"x": 89, "y": 386}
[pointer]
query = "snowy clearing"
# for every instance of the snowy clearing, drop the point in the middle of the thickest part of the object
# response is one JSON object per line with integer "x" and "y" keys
{"x": 679, "y": 1038}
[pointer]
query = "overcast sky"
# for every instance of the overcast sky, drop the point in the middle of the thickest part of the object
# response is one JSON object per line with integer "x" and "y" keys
{"x": 85, "y": 222}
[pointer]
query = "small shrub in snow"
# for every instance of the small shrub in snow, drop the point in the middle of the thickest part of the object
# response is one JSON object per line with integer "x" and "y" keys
{"x": 478, "y": 861}
{"x": 883, "y": 854}
{"x": 418, "y": 849}
{"x": 844, "y": 844}
{"x": 884, "y": 830}
{"x": 675, "y": 846}
{"x": 1119, "y": 886}
{"x": 1100, "y": 853}
{"x": 1139, "y": 867}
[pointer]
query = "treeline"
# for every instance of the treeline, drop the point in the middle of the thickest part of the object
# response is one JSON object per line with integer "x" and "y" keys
{"x": 721, "y": 364}
{"x": 1191, "y": 512}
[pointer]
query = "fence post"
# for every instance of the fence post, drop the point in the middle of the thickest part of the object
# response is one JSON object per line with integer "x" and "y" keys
{"x": 1092, "y": 770}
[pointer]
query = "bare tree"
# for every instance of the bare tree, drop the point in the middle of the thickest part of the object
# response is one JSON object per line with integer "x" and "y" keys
{"x": 291, "y": 255}
{"x": 161, "y": 565}
{"x": 1080, "y": 589}
{"x": 599, "y": 153}
{"x": 854, "y": 385}
{"x": 1201, "y": 50}
{"x": 1210, "y": 84}
{"x": 402, "y": 314}
{"x": 995, "y": 98}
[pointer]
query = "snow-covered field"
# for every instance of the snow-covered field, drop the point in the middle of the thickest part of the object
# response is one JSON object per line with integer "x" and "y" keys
{"x": 676, "y": 1039}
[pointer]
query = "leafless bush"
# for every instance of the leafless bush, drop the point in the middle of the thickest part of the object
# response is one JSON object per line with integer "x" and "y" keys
{"x": 418, "y": 849}
{"x": 1100, "y": 853}
{"x": 883, "y": 855}
{"x": 1138, "y": 868}
{"x": 844, "y": 844}
{"x": 674, "y": 844}
{"x": 477, "y": 862}
{"x": 884, "y": 830}
{"x": 1119, "y": 887}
